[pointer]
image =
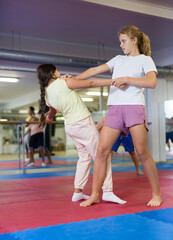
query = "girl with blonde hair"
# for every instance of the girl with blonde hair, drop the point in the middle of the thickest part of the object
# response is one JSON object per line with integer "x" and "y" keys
{"x": 134, "y": 71}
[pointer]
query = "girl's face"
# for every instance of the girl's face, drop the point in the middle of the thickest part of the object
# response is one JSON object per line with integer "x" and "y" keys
{"x": 30, "y": 112}
{"x": 56, "y": 74}
{"x": 128, "y": 45}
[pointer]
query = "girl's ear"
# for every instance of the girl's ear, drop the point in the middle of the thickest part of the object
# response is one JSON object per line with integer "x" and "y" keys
{"x": 53, "y": 75}
{"x": 135, "y": 40}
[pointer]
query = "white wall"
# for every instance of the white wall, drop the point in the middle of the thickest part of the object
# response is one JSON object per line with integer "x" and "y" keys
{"x": 155, "y": 113}
{"x": 169, "y": 90}
{"x": 1, "y": 139}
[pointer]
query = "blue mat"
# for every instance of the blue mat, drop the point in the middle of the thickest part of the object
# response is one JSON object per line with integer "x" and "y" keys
{"x": 143, "y": 226}
{"x": 72, "y": 172}
{"x": 164, "y": 166}
{"x": 58, "y": 173}
{"x": 163, "y": 215}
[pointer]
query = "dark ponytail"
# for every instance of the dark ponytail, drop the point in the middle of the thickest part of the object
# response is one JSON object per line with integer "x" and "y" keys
{"x": 42, "y": 106}
{"x": 45, "y": 74}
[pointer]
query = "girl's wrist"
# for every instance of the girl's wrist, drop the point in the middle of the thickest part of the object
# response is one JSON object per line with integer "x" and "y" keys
{"x": 127, "y": 79}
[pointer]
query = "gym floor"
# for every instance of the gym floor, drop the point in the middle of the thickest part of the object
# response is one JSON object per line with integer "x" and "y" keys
{"x": 38, "y": 205}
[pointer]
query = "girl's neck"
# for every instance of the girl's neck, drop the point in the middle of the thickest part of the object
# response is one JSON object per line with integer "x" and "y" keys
{"x": 134, "y": 53}
{"x": 51, "y": 80}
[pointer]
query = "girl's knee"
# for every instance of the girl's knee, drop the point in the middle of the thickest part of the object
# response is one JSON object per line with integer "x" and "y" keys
{"x": 103, "y": 152}
{"x": 143, "y": 154}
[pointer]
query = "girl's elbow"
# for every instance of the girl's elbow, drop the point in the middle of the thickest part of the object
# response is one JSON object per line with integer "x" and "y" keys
{"x": 70, "y": 84}
{"x": 153, "y": 85}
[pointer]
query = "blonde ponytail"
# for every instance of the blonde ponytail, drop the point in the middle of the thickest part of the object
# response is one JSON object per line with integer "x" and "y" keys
{"x": 144, "y": 45}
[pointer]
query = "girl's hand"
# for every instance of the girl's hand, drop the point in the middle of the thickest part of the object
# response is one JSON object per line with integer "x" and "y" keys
{"x": 124, "y": 87}
{"x": 101, "y": 123}
{"x": 64, "y": 77}
{"x": 120, "y": 82}
{"x": 51, "y": 114}
{"x": 48, "y": 119}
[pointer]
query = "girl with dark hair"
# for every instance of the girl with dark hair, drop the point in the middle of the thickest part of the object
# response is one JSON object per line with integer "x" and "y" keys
{"x": 79, "y": 125}
{"x": 135, "y": 70}
{"x": 31, "y": 113}
{"x": 36, "y": 139}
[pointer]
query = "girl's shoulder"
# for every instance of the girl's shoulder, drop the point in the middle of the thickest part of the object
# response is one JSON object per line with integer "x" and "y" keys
{"x": 115, "y": 59}
{"x": 58, "y": 83}
{"x": 141, "y": 59}
{"x": 146, "y": 59}
{"x": 119, "y": 57}
{"x": 144, "y": 56}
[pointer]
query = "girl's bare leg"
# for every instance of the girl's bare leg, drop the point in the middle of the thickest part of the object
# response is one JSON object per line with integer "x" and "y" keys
{"x": 47, "y": 153}
{"x": 31, "y": 154}
{"x": 140, "y": 140}
{"x": 168, "y": 144}
{"x": 135, "y": 159}
{"x": 42, "y": 152}
{"x": 27, "y": 154}
{"x": 136, "y": 163}
{"x": 108, "y": 136}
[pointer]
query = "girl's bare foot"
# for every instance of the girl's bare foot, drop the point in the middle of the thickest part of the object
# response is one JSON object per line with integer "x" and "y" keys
{"x": 155, "y": 201}
{"x": 90, "y": 201}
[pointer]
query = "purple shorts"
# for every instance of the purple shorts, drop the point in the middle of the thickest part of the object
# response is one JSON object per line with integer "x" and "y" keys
{"x": 123, "y": 117}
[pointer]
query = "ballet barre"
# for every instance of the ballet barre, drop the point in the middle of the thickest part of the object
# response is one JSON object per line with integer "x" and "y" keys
{"x": 20, "y": 138}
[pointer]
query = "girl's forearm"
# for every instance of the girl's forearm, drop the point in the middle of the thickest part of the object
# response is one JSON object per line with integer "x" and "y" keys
{"x": 149, "y": 81}
{"x": 87, "y": 74}
{"x": 141, "y": 82}
{"x": 93, "y": 72}
{"x": 76, "y": 84}
{"x": 100, "y": 82}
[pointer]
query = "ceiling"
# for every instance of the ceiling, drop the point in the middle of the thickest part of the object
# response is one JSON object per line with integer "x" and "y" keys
{"x": 161, "y": 3}
{"x": 76, "y": 28}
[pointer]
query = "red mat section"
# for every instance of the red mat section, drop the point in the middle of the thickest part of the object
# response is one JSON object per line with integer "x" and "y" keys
{"x": 169, "y": 154}
{"x": 32, "y": 203}
{"x": 11, "y": 164}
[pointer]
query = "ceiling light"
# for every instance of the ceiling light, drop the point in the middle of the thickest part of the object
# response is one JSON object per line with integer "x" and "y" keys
{"x": 8, "y": 79}
{"x": 93, "y": 93}
{"x": 23, "y": 111}
{"x": 3, "y": 120}
{"x": 8, "y": 111}
{"x": 87, "y": 99}
{"x": 96, "y": 93}
{"x": 59, "y": 118}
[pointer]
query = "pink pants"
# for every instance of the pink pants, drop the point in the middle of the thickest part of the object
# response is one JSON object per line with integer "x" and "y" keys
{"x": 86, "y": 138}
